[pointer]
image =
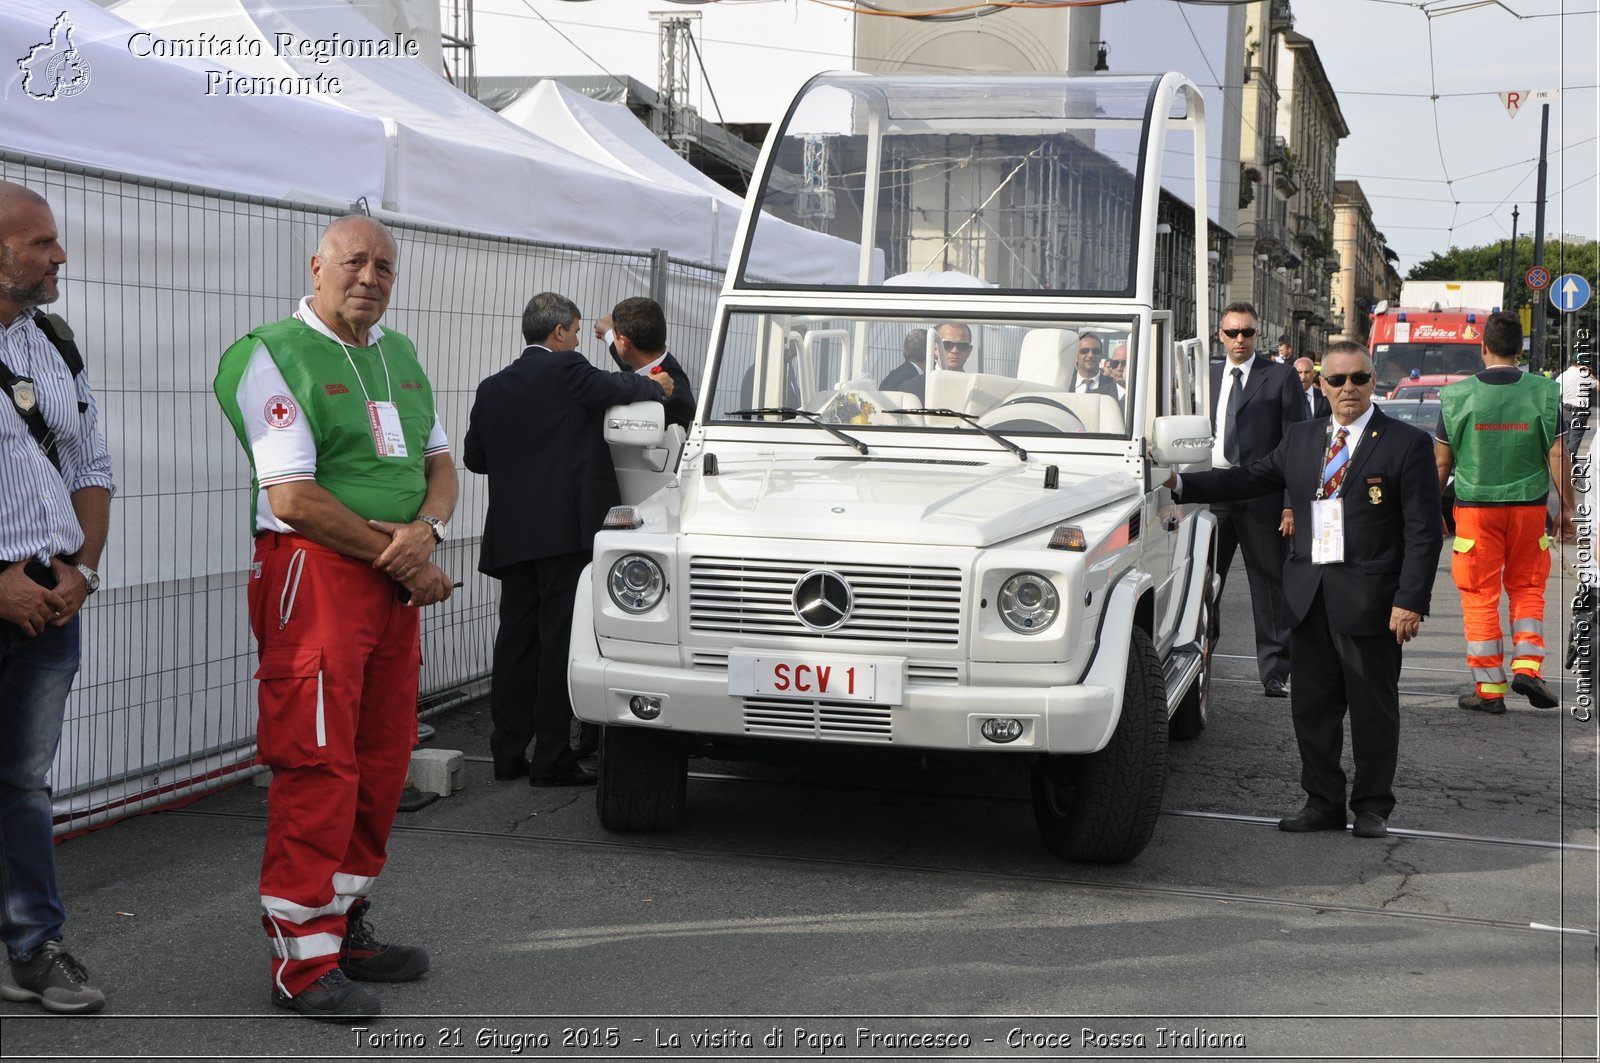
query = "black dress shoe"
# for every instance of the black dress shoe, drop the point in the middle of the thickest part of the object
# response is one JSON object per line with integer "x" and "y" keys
{"x": 574, "y": 776}
{"x": 1309, "y": 819}
{"x": 1534, "y": 689}
{"x": 516, "y": 771}
{"x": 1276, "y": 690}
{"x": 1370, "y": 825}
{"x": 1473, "y": 703}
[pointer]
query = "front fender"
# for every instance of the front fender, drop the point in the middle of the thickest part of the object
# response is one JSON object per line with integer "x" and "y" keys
{"x": 1109, "y": 668}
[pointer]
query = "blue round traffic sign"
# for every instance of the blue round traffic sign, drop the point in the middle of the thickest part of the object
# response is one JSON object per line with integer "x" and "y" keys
{"x": 1569, "y": 292}
{"x": 1538, "y": 278}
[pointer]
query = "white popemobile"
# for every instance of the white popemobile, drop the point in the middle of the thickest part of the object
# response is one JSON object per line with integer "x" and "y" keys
{"x": 980, "y": 559}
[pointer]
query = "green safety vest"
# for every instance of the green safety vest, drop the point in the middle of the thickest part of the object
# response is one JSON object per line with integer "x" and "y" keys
{"x": 333, "y": 399}
{"x": 1501, "y": 435}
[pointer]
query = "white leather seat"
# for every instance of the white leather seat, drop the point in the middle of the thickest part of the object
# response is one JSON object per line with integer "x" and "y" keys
{"x": 1048, "y": 356}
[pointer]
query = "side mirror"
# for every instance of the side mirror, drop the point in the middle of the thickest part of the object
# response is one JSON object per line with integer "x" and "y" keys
{"x": 1182, "y": 439}
{"x": 638, "y": 424}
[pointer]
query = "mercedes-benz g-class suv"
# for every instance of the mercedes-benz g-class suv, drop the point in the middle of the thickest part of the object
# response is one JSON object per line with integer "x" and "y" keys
{"x": 915, "y": 510}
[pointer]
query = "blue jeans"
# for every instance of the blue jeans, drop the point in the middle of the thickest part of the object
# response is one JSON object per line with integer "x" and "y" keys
{"x": 35, "y": 676}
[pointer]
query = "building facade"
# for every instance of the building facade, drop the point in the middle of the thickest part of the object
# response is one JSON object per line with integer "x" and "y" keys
{"x": 1363, "y": 278}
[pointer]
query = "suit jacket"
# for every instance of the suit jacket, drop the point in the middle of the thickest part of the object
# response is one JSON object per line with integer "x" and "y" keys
{"x": 907, "y": 376}
{"x": 1323, "y": 409}
{"x": 1392, "y": 530}
{"x": 535, "y": 431}
{"x": 1273, "y": 400}
{"x": 1101, "y": 384}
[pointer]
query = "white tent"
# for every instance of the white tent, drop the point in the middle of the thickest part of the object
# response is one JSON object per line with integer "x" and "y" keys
{"x": 450, "y": 161}
{"x": 73, "y": 88}
{"x": 609, "y": 135}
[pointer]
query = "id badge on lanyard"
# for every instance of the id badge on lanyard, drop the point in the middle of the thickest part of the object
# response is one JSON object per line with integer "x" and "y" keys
{"x": 387, "y": 435}
{"x": 1327, "y": 531}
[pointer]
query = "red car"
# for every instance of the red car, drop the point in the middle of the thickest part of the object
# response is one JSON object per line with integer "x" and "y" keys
{"x": 1426, "y": 386}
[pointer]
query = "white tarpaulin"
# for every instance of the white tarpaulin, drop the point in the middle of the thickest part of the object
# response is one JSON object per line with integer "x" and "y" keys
{"x": 73, "y": 88}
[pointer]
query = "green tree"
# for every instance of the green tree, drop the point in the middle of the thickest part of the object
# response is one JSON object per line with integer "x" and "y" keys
{"x": 1484, "y": 264}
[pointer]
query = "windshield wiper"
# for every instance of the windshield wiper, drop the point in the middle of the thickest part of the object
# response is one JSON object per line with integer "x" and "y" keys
{"x": 791, "y": 411}
{"x": 1022, "y": 455}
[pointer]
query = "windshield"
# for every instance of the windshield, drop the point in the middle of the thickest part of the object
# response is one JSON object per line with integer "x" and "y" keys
{"x": 1395, "y": 361}
{"x": 1028, "y": 376}
{"x": 1023, "y": 183}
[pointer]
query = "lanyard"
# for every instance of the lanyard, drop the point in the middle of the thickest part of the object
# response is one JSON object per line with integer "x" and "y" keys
{"x": 387, "y": 383}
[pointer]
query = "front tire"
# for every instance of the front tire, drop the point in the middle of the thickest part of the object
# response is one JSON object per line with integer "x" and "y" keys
{"x": 1101, "y": 808}
{"x": 644, "y": 776}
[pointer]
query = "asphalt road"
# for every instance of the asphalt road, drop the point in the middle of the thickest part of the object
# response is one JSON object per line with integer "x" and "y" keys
{"x": 867, "y": 909}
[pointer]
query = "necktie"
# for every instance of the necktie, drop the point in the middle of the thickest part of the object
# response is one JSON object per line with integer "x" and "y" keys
{"x": 1230, "y": 424}
{"x": 1311, "y": 402}
{"x": 1333, "y": 471}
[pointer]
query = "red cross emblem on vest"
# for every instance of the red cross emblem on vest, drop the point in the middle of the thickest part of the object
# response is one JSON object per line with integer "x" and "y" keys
{"x": 281, "y": 411}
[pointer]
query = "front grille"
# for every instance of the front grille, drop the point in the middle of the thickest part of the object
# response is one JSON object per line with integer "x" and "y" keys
{"x": 892, "y": 603}
{"x": 817, "y": 720}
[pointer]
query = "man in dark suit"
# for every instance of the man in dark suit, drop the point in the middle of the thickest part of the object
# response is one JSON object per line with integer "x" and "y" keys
{"x": 1089, "y": 380}
{"x": 909, "y": 375}
{"x": 535, "y": 431}
{"x": 1253, "y": 404}
{"x": 1357, "y": 583}
{"x": 637, "y": 341}
{"x": 1316, "y": 401}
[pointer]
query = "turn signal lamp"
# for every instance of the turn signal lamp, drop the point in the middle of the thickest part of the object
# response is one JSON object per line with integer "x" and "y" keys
{"x": 622, "y": 518}
{"x": 1068, "y": 537}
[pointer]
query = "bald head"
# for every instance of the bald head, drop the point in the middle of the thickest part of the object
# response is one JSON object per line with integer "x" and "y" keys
{"x": 12, "y": 194}
{"x": 30, "y": 252}
{"x": 1307, "y": 370}
{"x": 352, "y": 274}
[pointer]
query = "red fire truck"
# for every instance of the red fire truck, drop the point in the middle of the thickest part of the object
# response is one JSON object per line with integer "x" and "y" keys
{"x": 1436, "y": 330}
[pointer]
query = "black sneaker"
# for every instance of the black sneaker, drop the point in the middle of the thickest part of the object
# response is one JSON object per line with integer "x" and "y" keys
{"x": 330, "y": 998}
{"x": 1534, "y": 689}
{"x": 1472, "y": 702}
{"x": 363, "y": 957}
{"x": 53, "y": 978}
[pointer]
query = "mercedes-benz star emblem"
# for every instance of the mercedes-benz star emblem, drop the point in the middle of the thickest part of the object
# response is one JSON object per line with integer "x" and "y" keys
{"x": 822, "y": 600}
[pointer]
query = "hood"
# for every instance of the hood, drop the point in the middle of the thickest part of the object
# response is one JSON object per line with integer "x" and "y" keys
{"x": 954, "y": 503}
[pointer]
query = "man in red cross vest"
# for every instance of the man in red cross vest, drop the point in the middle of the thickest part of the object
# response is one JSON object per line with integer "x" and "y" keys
{"x": 1502, "y": 433}
{"x": 352, "y": 488}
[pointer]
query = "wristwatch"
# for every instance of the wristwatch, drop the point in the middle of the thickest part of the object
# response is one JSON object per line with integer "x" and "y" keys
{"x": 90, "y": 576}
{"x": 440, "y": 528}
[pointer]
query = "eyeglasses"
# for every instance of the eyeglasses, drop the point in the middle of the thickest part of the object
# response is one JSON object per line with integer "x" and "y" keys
{"x": 1092, "y": 352}
{"x": 1234, "y": 333}
{"x": 1336, "y": 380}
{"x": 955, "y": 345}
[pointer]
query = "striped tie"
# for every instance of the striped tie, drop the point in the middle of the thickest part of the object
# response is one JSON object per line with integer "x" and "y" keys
{"x": 1333, "y": 472}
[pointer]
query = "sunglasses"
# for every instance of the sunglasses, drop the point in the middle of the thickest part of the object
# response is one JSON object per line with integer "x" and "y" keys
{"x": 1235, "y": 333}
{"x": 1118, "y": 364}
{"x": 1336, "y": 380}
{"x": 1092, "y": 352}
{"x": 955, "y": 345}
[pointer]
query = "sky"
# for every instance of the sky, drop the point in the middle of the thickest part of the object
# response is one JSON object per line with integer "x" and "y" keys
{"x": 1438, "y": 172}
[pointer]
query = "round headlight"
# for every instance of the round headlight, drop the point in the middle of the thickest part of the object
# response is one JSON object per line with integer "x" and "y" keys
{"x": 636, "y": 583}
{"x": 1028, "y": 603}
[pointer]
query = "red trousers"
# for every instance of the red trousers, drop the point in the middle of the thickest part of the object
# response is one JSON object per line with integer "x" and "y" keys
{"x": 340, "y": 658}
{"x": 1501, "y": 547}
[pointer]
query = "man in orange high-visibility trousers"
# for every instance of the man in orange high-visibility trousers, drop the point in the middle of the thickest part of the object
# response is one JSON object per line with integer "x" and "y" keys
{"x": 1501, "y": 433}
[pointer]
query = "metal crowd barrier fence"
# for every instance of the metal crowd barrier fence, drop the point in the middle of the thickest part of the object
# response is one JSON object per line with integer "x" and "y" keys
{"x": 159, "y": 280}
